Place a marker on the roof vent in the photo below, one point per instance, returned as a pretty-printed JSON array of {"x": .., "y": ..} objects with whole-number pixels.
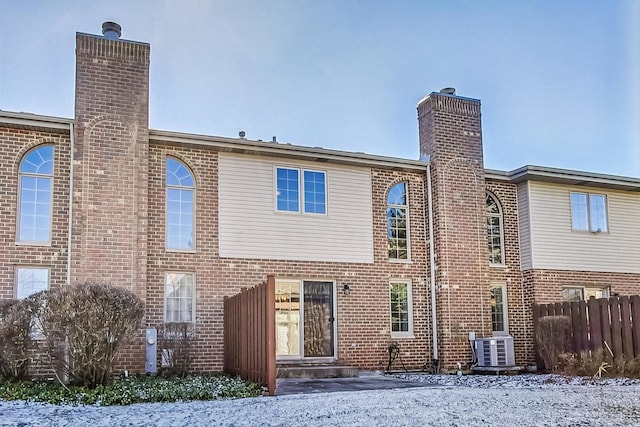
[
  {"x": 274, "y": 139},
  {"x": 242, "y": 134},
  {"x": 111, "y": 30},
  {"x": 448, "y": 91}
]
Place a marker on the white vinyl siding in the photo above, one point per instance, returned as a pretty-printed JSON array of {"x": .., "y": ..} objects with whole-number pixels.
[
  {"x": 555, "y": 246},
  {"x": 524, "y": 226},
  {"x": 251, "y": 227}
]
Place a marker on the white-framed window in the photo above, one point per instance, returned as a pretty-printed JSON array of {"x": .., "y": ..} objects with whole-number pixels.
[
  {"x": 401, "y": 309},
  {"x": 398, "y": 223},
  {"x": 36, "y": 195},
  {"x": 179, "y": 297},
  {"x": 31, "y": 280},
  {"x": 584, "y": 293},
  {"x": 495, "y": 231},
  {"x": 308, "y": 196},
  {"x": 589, "y": 212},
  {"x": 499, "y": 309},
  {"x": 180, "y": 206}
]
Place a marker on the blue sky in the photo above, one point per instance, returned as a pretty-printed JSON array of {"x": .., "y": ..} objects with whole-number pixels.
[{"x": 559, "y": 81}]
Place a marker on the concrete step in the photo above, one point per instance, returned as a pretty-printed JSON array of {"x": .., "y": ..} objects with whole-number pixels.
[{"x": 316, "y": 371}]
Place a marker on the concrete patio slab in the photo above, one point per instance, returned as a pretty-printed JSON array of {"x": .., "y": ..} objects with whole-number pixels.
[{"x": 365, "y": 381}]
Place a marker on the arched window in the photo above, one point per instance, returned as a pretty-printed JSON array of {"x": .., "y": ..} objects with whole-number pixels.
[
  {"x": 180, "y": 206},
  {"x": 36, "y": 195},
  {"x": 495, "y": 233},
  {"x": 397, "y": 222}
]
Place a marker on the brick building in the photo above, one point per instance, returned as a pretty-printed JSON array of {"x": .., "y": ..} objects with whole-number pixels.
[{"x": 366, "y": 250}]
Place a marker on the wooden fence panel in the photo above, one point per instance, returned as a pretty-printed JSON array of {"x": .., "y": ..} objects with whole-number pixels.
[
  {"x": 616, "y": 326},
  {"x": 614, "y": 321},
  {"x": 627, "y": 331},
  {"x": 249, "y": 334}
]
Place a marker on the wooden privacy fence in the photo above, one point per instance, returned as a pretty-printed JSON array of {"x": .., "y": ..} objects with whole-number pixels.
[
  {"x": 614, "y": 320},
  {"x": 250, "y": 334}
]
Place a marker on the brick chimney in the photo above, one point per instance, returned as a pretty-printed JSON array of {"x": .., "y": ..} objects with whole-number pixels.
[
  {"x": 109, "y": 236},
  {"x": 450, "y": 132}
]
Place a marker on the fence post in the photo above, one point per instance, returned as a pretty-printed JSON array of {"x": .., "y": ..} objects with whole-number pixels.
[
  {"x": 635, "y": 322},
  {"x": 616, "y": 327}
]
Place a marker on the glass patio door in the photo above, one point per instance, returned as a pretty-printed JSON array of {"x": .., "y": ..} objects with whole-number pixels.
[{"x": 304, "y": 319}]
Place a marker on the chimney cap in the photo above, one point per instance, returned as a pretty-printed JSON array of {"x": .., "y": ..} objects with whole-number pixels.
[
  {"x": 111, "y": 30},
  {"x": 448, "y": 91}
]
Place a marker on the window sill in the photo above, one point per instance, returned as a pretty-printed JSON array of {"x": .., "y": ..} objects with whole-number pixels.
[
  {"x": 403, "y": 335},
  {"x": 184, "y": 251},
  {"x": 498, "y": 265},
  {"x": 399, "y": 261},
  {"x": 43, "y": 244}
]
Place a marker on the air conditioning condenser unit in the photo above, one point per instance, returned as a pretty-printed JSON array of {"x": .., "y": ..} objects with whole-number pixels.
[{"x": 495, "y": 351}]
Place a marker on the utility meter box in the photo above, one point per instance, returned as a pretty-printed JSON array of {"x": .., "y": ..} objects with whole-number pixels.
[{"x": 151, "y": 365}]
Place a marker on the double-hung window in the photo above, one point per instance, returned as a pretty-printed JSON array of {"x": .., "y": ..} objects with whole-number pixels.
[
  {"x": 308, "y": 195},
  {"x": 397, "y": 223},
  {"x": 589, "y": 212},
  {"x": 36, "y": 194},
  {"x": 499, "y": 315},
  {"x": 180, "y": 206},
  {"x": 179, "y": 299},
  {"x": 401, "y": 309}
]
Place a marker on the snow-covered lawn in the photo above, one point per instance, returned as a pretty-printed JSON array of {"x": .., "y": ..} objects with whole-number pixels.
[{"x": 525, "y": 400}]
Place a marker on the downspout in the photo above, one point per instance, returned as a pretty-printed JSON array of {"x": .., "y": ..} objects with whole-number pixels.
[
  {"x": 432, "y": 264},
  {"x": 71, "y": 148}
]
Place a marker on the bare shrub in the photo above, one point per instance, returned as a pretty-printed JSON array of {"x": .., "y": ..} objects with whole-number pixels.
[
  {"x": 553, "y": 336},
  {"x": 599, "y": 363},
  {"x": 15, "y": 340},
  {"x": 85, "y": 327},
  {"x": 176, "y": 346}
]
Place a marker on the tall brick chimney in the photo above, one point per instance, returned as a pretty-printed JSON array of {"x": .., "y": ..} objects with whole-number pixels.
[
  {"x": 109, "y": 235},
  {"x": 450, "y": 132}
]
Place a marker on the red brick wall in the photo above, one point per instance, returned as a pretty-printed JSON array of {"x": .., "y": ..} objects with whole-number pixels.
[
  {"x": 518, "y": 310},
  {"x": 111, "y": 167},
  {"x": 450, "y": 133},
  {"x": 363, "y": 316}
]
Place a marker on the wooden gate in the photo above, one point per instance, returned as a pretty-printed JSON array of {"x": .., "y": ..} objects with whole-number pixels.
[{"x": 250, "y": 336}]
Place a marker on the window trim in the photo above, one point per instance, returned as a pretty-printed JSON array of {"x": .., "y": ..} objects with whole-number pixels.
[
  {"x": 166, "y": 207},
  {"x": 301, "y": 190},
  {"x": 194, "y": 298},
  {"x": 408, "y": 227},
  {"x": 402, "y": 334},
  {"x": 51, "y": 178},
  {"x": 505, "y": 309},
  {"x": 500, "y": 215},
  {"x": 589, "y": 229}
]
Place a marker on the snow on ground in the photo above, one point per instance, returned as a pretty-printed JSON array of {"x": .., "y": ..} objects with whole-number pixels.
[{"x": 526, "y": 400}]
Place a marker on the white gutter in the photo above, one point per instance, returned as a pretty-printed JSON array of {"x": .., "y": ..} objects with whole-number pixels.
[
  {"x": 71, "y": 148},
  {"x": 432, "y": 263}
]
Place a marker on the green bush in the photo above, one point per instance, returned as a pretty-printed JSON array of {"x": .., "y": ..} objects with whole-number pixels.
[
  {"x": 85, "y": 326},
  {"x": 15, "y": 339},
  {"x": 138, "y": 389}
]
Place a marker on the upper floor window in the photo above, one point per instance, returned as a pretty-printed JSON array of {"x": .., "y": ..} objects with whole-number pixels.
[
  {"x": 589, "y": 212},
  {"x": 495, "y": 232},
  {"x": 288, "y": 192},
  {"x": 180, "y": 206},
  {"x": 397, "y": 222},
  {"x": 36, "y": 194}
]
